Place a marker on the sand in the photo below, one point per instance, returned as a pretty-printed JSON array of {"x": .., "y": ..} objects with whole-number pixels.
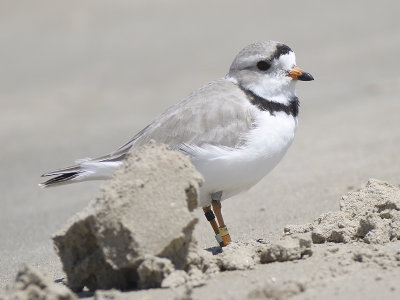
[
  {"x": 81, "y": 79},
  {"x": 105, "y": 247}
]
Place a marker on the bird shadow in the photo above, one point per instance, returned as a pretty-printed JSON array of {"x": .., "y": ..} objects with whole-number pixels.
[{"x": 215, "y": 250}]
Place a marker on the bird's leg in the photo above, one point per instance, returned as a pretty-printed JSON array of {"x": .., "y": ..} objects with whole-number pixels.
[
  {"x": 223, "y": 231},
  {"x": 211, "y": 218}
]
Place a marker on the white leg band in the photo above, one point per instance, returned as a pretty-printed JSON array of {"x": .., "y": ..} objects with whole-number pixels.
[{"x": 218, "y": 238}]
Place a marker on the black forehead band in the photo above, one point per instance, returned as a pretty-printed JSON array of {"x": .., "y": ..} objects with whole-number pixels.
[{"x": 281, "y": 49}]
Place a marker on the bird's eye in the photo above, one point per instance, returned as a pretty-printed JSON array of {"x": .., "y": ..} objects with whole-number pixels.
[{"x": 263, "y": 65}]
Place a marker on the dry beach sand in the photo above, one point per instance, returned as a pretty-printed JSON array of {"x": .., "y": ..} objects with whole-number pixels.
[
  {"x": 102, "y": 248},
  {"x": 80, "y": 79}
]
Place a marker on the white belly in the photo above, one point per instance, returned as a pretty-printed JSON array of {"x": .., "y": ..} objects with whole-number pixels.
[{"x": 235, "y": 170}]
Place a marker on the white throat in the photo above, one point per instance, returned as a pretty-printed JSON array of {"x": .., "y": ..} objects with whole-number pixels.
[{"x": 281, "y": 89}]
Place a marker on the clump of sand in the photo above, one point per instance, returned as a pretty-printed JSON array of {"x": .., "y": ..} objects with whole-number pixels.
[
  {"x": 31, "y": 284},
  {"x": 370, "y": 215},
  {"x": 139, "y": 229}
]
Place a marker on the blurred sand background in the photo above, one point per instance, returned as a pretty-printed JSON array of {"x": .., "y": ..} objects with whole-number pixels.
[{"x": 79, "y": 78}]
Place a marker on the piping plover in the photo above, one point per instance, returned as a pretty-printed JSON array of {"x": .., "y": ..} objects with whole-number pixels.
[{"x": 235, "y": 129}]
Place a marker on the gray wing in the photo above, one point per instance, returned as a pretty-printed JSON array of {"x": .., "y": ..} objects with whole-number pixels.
[{"x": 217, "y": 114}]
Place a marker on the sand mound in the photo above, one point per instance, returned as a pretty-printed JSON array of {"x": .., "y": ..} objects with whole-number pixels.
[
  {"x": 138, "y": 234},
  {"x": 370, "y": 215},
  {"x": 238, "y": 256},
  {"x": 31, "y": 284},
  {"x": 138, "y": 230}
]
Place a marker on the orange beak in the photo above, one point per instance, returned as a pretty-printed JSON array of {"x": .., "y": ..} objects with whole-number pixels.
[{"x": 299, "y": 74}]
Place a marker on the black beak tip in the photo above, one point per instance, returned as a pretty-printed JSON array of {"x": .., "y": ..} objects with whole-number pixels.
[{"x": 305, "y": 77}]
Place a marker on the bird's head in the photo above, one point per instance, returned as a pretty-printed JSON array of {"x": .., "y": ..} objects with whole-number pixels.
[{"x": 269, "y": 70}]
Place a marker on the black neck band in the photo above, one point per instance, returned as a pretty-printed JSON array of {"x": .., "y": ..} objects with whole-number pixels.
[{"x": 267, "y": 105}]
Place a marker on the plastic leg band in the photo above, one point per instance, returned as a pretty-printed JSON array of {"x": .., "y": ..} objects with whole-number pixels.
[
  {"x": 226, "y": 238},
  {"x": 219, "y": 239},
  {"x": 209, "y": 215}
]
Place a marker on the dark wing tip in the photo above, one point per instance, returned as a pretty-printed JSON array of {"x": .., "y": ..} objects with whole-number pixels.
[{"x": 59, "y": 179}]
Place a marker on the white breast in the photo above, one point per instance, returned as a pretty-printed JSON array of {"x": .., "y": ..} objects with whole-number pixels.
[{"x": 235, "y": 170}]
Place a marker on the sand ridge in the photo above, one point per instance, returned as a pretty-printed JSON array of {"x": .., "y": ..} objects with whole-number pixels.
[{"x": 362, "y": 236}]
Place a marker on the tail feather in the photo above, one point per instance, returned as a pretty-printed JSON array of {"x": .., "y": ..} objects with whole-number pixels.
[
  {"x": 59, "y": 179},
  {"x": 68, "y": 170},
  {"x": 88, "y": 169}
]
